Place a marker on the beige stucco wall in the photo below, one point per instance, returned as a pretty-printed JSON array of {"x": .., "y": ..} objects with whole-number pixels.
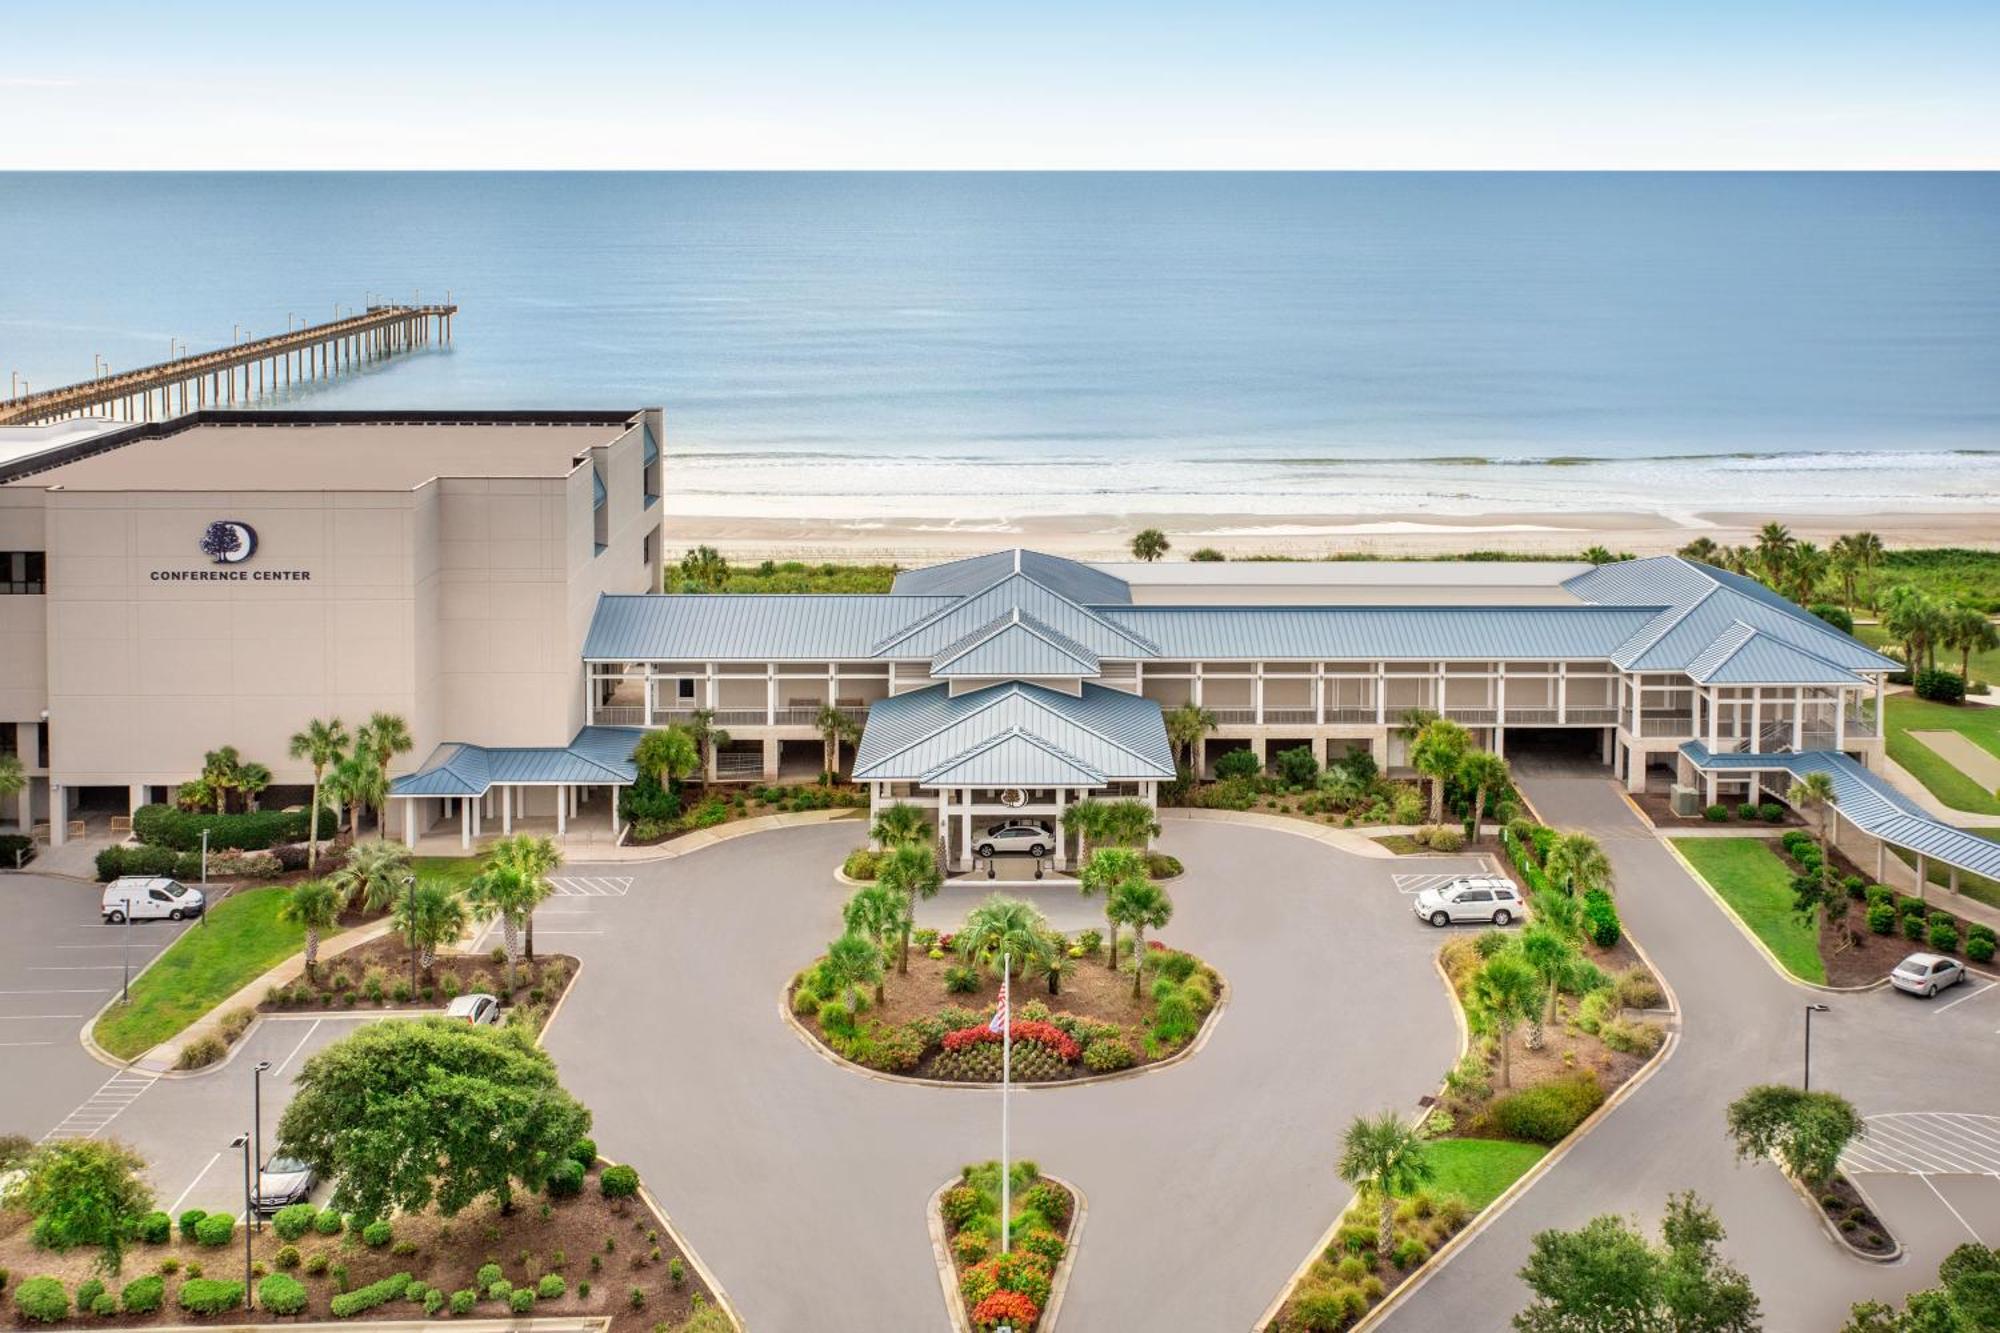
[{"x": 23, "y": 642}]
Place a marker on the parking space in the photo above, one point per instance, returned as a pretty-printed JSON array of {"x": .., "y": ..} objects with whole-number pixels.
[
  {"x": 58, "y": 965},
  {"x": 1933, "y": 1176}
]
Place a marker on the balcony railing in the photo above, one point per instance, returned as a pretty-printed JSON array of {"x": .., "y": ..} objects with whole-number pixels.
[
  {"x": 1289, "y": 715},
  {"x": 736, "y": 767},
  {"x": 1592, "y": 715},
  {"x": 621, "y": 715},
  {"x": 1472, "y": 714},
  {"x": 1532, "y": 717},
  {"x": 1234, "y": 716},
  {"x": 1356, "y": 714},
  {"x": 1666, "y": 724}
]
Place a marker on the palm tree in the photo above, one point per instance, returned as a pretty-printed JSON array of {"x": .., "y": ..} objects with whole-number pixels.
[
  {"x": 911, "y": 871},
  {"x": 375, "y": 874},
  {"x": 1967, "y": 629},
  {"x": 251, "y": 779},
  {"x": 1736, "y": 559},
  {"x": 385, "y": 736},
  {"x": 1000, "y": 928},
  {"x": 1129, "y": 823},
  {"x": 429, "y": 913},
  {"x": 1149, "y": 544},
  {"x": 1049, "y": 957},
  {"x": 1845, "y": 561},
  {"x": 1186, "y": 725},
  {"x": 1507, "y": 991},
  {"x": 1142, "y": 905},
  {"x": 705, "y": 568},
  {"x": 1815, "y": 792},
  {"x": 1436, "y": 753},
  {"x": 357, "y": 782},
  {"x": 1544, "y": 949},
  {"x": 878, "y": 913},
  {"x": 193, "y": 796},
  {"x": 1413, "y": 721},
  {"x": 1774, "y": 551},
  {"x": 1703, "y": 549},
  {"x": 707, "y": 737},
  {"x": 536, "y": 859},
  {"x": 1560, "y": 912},
  {"x": 1103, "y": 871},
  {"x": 315, "y": 905},
  {"x": 1390, "y": 1157},
  {"x": 502, "y": 891},
  {"x": 1803, "y": 572},
  {"x": 668, "y": 754},
  {"x": 835, "y": 727},
  {"x": 321, "y": 744},
  {"x": 900, "y": 823},
  {"x": 1598, "y": 555},
  {"x": 852, "y": 962},
  {"x": 1485, "y": 772},
  {"x": 219, "y": 769},
  {"x": 1915, "y": 620},
  {"x": 1086, "y": 820},
  {"x": 1868, "y": 550},
  {"x": 1577, "y": 863}
]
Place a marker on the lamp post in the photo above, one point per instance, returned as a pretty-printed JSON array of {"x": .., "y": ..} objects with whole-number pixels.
[
  {"x": 257, "y": 1072},
  {"x": 410, "y": 901},
  {"x": 242, "y": 1144},
  {"x": 204, "y": 879},
  {"x": 125, "y": 937},
  {"x": 1805, "y": 1084}
]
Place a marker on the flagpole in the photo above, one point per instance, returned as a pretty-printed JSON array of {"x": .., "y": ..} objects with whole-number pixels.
[{"x": 1006, "y": 1077}]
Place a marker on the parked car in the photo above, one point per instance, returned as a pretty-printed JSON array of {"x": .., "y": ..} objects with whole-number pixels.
[
  {"x": 1470, "y": 898},
  {"x": 150, "y": 898},
  {"x": 1926, "y": 974},
  {"x": 477, "y": 1008},
  {"x": 283, "y": 1181},
  {"x": 1016, "y": 837}
]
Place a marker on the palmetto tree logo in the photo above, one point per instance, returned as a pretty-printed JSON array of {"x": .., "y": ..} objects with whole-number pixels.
[{"x": 228, "y": 542}]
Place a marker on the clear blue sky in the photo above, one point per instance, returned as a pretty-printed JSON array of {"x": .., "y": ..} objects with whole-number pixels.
[{"x": 753, "y": 83}]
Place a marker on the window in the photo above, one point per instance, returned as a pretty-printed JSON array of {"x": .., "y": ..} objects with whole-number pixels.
[
  {"x": 23, "y": 572},
  {"x": 651, "y": 467},
  {"x": 686, "y": 688},
  {"x": 600, "y": 519},
  {"x": 646, "y": 550}
]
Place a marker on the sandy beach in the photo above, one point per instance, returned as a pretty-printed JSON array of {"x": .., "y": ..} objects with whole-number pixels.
[{"x": 907, "y": 540}]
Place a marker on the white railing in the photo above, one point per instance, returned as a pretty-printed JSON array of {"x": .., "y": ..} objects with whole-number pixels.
[
  {"x": 621, "y": 715},
  {"x": 1681, "y": 724},
  {"x": 1594, "y": 715},
  {"x": 1288, "y": 715},
  {"x": 1366, "y": 714},
  {"x": 1472, "y": 714}
]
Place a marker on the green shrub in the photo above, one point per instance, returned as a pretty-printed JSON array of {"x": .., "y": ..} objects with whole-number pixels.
[
  {"x": 210, "y": 1295},
  {"x": 327, "y": 1223},
  {"x": 15, "y": 850},
  {"x": 87, "y": 1292},
  {"x": 215, "y": 1230},
  {"x": 1914, "y": 926},
  {"x": 1716, "y": 814},
  {"x": 433, "y": 1301},
  {"x": 1296, "y": 767},
  {"x": 1943, "y": 937},
  {"x": 522, "y": 1299},
  {"x": 102, "y": 1304},
  {"x": 1771, "y": 812},
  {"x": 363, "y": 1299},
  {"x": 189, "y": 1220},
  {"x": 293, "y": 1220},
  {"x": 377, "y": 1234},
  {"x": 156, "y": 1228},
  {"x": 1447, "y": 840},
  {"x": 42, "y": 1300},
  {"x": 287, "y": 1257},
  {"x": 316, "y": 1263},
  {"x": 584, "y": 1152},
  {"x": 1547, "y": 1112},
  {"x": 487, "y": 1275},
  {"x": 566, "y": 1179},
  {"x": 552, "y": 1287},
  {"x": 1940, "y": 686},
  {"x": 502, "y": 1290},
  {"x": 960, "y": 979},
  {"x": 1324, "y": 1309},
  {"x": 618, "y": 1182},
  {"x": 1600, "y": 918},
  {"x": 1979, "y": 948},
  {"x": 1238, "y": 764},
  {"x": 281, "y": 1293},
  {"x": 463, "y": 1300},
  {"x": 861, "y": 864},
  {"x": 1107, "y": 1055},
  {"x": 1881, "y": 918},
  {"x": 143, "y": 1295}
]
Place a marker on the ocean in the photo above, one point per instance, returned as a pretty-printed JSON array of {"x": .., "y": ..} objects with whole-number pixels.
[{"x": 979, "y": 345}]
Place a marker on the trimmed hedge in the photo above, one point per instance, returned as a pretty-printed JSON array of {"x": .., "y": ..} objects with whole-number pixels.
[
  {"x": 189, "y": 1220},
  {"x": 552, "y": 1287},
  {"x": 215, "y": 1230},
  {"x": 281, "y": 1293},
  {"x": 1600, "y": 917},
  {"x": 143, "y": 1295},
  {"x": 1547, "y": 1112},
  {"x": 156, "y": 1228},
  {"x": 115, "y": 861},
  {"x": 1940, "y": 686},
  {"x": 618, "y": 1182},
  {"x": 42, "y": 1300},
  {"x": 164, "y": 826},
  {"x": 566, "y": 1179},
  {"x": 293, "y": 1220},
  {"x": 363, "y": 1299},
  {"x": 210, "y": 1295},
  {"x": 377, "y": 1234}
]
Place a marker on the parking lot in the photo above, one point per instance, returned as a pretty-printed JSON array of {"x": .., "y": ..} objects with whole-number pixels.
[{"x": 1933, "y": 1176}]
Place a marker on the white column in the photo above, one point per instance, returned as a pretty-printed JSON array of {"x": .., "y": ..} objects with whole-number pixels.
[
  {"x": 1756, "y": 719},
  {"x": 1881, "y": 721},
  {"x": 1062, "y": 843},
  {"x": 1881, "y": 859},
  {"x": 507, "y": 810},
  {"x": 1319, "y": 694},
  {"x": 1562, "y": 692},
  {"x": 1257, "y": 693},
  {"x": 1499, "y": 713},
  {"x": 135, "y": 798},
  {"x": 771, "y": 695},
  {"x": 1799, "y": 717},
  {"x": 944, "y": 824},
  {"x": 1382, "y": 700},
  {"x": 562, "y": 811},
  {"x": 1840, "y": 719},
  {"x": 58, "y": 814},
  {"x": 613, "y": 793},
  {"x": 965, "y": 831},
  {"x": 1714, "y": 730},
  {"x": 410, "y": 821},
  {"x": 465, "y": 825}
]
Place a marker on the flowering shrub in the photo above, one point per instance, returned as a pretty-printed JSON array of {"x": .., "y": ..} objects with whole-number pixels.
[
  {"x": 1006, "y": 1307},
  {"x": 1047, "y": 1034}
]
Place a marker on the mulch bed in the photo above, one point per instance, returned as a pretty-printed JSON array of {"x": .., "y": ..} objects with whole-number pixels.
[
  {"x": 1853, "y": 1218},
  {"x": 1658, "y": 808},
  {"x": 970, "y": 1250},
  {"x": 736, "y": 803},
  {"x": 1854, "y": 955},
  {"x": 349, "y": 980},
  {"x": 617, "y": 1246}
]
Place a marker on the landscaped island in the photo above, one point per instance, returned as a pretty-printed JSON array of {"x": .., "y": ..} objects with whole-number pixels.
[{"x": 1012, "y": 1289}]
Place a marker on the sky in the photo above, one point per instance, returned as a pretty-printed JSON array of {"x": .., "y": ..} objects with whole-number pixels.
[{"x": 757, "y": 84}]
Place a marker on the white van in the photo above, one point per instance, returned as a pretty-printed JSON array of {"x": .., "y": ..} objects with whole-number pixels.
[{"x": 150, "y": 898}]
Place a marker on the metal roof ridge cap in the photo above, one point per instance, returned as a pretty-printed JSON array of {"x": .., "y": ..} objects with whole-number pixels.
[
  {"x": 998, "y": 691},
  {"x": 1680, "y": 613},
  {"x": 1078, "y": 723}
]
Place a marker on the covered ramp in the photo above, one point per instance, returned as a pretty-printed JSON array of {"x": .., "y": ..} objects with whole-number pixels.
[{"x": 479, "y": 783}]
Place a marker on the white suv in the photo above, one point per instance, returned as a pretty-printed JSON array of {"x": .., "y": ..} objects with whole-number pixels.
[
  {"x": 1017, "y": 837},
  {"x": 1479, "y": 898}
]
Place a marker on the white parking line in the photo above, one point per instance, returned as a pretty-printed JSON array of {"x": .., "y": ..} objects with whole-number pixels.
[
  {"x": 102, "y": 1107},
  {"x": 591, "y": 886},
  {"x": 1953, "y": 1211},
  {"x": 26, "y": 1043},
  {"x": 1921, "y": 1143},
  {"x": 175, "y": 1211},
  {"x": 93, "y": 990},
  {"x": 1963, "y": 998},
  {"x": 296, "y": 1049},
  {"x": 1410, "y": 883}
]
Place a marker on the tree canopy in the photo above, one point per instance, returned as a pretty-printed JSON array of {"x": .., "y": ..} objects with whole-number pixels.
[
  {"x": 1605, "y": 1277},
  {"x": 403, "y": 1115},
  {"x": 1805, "y": 1131},
  {"x": 82, "y": 1192}
]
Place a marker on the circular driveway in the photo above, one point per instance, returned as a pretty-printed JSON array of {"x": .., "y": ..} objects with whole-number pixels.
[{"x": 802, "y": 1185}]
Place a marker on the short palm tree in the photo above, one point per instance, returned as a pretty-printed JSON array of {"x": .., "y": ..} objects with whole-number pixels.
[
  {"x": 1437, "y": 752},
  {"x": 705, "y": 568},
  {"x": 1598, "y": 555},
  {"x": 1969, "y": 630},
  {"x": 373, "y": 876},
  {"x": 878, "y": 914},
  {"x": 1560, "y": 912},
  {"x": 852, "y": 962},
  {"x": 502, "y": 891},
  {"x": 1485, "y": 772},
  {"x": 1703, "y": 549},
  {"x": 1000, "y": 929},
  {"x": 385, "y": 736},
  {"x": 1129, "y": 823},
  {"x": 901, "y": 823},
  {"x": 428, "y": 914},
  {"x": 707, "y": 738},
  {"x": 1815, "y": 793},
  {"x": 1086, "y": 821},
  {"x": 1149, "y": 544},
  {"x": 1413, "y": 721},
  {"x": 668, "y": 754},
  {"x": 1390, "y": 1157},
  {"x": 1142, "y": 905},
  {"x": 321, "y": 744},
  {"x": 1104, "y": 870},
  {"x": 1577, "y": 862},
  {"x": 1186, "y": 725},
  {"x": 1049, "y": 957},
  {"x": 1507, "y": 992},
  {"x": 315, "y": 905},
  {"x": 251, "y": 779},
  {"x": 536, "y": 858},
  {"x": 1544, "y": 949},
  {"x": 219, "y": 769},
  {"x": 357, "y": 782},
  {"x": 911, "y": 872},
  {"x": 835, "y": 728}
]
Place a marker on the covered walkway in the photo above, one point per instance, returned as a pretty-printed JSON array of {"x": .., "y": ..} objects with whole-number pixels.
[{"x": 487, "y": 789}]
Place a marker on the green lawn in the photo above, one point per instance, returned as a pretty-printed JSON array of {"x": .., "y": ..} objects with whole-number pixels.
[
  {"x": 1985, "y": 666},
  {"x": 242, "y": 939},
  {"x": 456, "y": 871},
  {"x": 1480, "y": 1170},
  {"x": 1977, "y": 724},
  {"x": 1753, "y": 881}
]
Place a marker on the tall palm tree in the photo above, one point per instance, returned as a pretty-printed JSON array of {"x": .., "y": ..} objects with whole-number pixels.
[
  {"x": 1868, "y": 550},
  {"x": 1544, "y": 949},
  {"x": 1149, "y": 544},
  {"x": 1804, "y": 570},
  {"x": 1436, "y": 753},
  {"x": 1142, "y": 905},
  {"x": 321, "y": 743},
  {"x": 1576, "y": 862},
  {"x": 1507, "y": 992},
  {"x": 429, "y": 913},
  {"x": 878, "y": 914},
  {"x": 219, "y": 769},
  {"x": 707, "y": 737},
  {"x": 1103, "y": 871},
  {"x": 1815, "y": 792},
  {"x": 1086, "y": 821},
  {"x": 852, "y": 962},
  {"x": 1915, "y": 620},
  {"x": 1967, "y": 629},
  {"x": 900, "y": 823},
  {"x": 315, "y": 905},
  {"x": 835, "y": 727},
  {"x": 1390, "y": 1157},
  {"x": 705, "y": 568},
  {"x": 385, "y": 736},
  {"x": 504, "y": 892},
  {"x": 1774, "y": 551},
  {"x": 1129, "y": 823},
  {"x": 911, "y": 871},
  {"x": 1559, "y": 912},
  {"x": 1485, "y": 772},
  {"x": 1000, "y": 928},
  {"x": 1845, "y": 561},
  {"x": 357, "y": 782},
  {"x": 1703, "y": 549},
  {"x": 375, "y": 875},
  {"x": 1186, "y": 725},
  {"x": 251, "y": 779},
  {"x": 668, "y": 754},
  {"x": 536, "y": 858}
]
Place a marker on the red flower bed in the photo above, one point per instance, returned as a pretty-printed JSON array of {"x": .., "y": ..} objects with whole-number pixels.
[
  {"x": 1006, "y": 1307},
  {"x": 1047, "y": 1034}
]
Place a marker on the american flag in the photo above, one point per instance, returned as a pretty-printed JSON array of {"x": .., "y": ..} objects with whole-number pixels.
[{"x": 999, "y": 1021}]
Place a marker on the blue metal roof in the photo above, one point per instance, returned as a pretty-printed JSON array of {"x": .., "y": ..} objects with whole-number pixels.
[
  {"x": 1067, "y": 578},
  {"x": 1015, "y": 645},
  {"x": 597, "y": 756},
  {"x": 1742, "y": 655},
  {"x": 1867, "y": 802},
  {"x": 1422, "y": 633},
  {"x": 1103, "y": 731},
  {"x": 658, "y": 627},
  {"x": 1089, "y": 627}
]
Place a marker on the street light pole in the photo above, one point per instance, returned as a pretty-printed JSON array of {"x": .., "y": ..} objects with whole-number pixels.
[
  {"x": 125, "y": 935},
  {"x": 257, "y": 1131},
  {"x": 204, "y": 878},
  {"x": 1805, "y": 1084},
  {"x": 242, "y": 1143},
  {"x": 410, "y": 898}
]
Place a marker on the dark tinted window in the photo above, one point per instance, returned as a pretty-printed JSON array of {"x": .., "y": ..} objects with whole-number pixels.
[{"x": 23, "y": 572}]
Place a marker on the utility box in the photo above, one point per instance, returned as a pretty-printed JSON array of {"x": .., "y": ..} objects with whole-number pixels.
[{"x": 1686, "y": 801}]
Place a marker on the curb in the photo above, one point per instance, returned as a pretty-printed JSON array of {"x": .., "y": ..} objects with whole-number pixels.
[
  {"x": 839, "y": 1061},
  {"x": 680, "y": 1242},
  {"x": 1834, "y": 1232},
  {"x": 741, "y": 828},
  {"x": 1341, "y": 839},
  {"x": 954, "y": 1304}
]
